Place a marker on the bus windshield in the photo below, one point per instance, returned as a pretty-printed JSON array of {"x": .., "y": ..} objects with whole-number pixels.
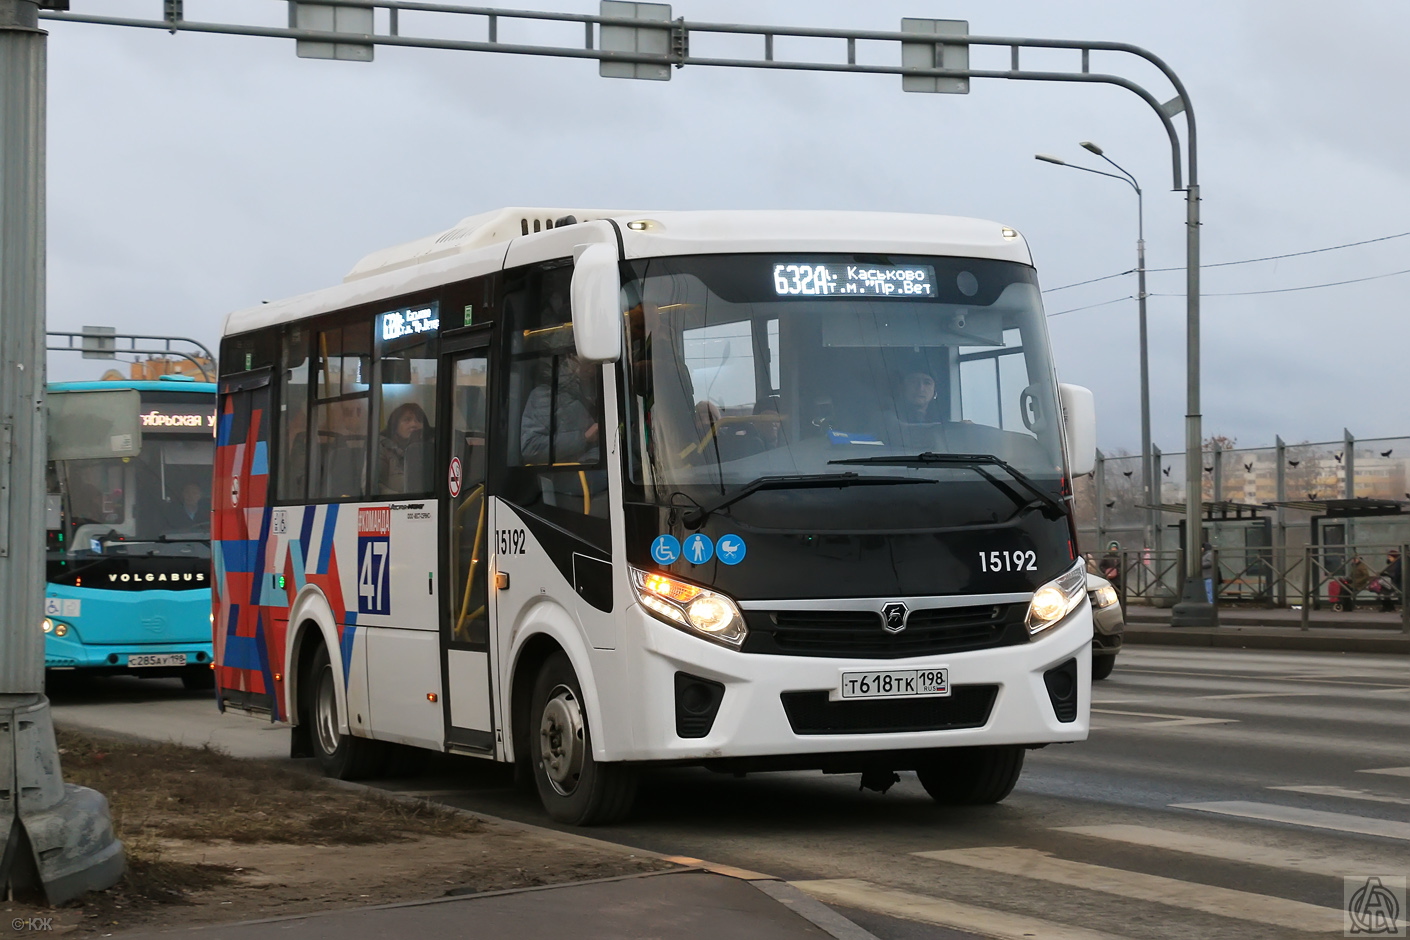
[
  {"x": 159, "y": 498},
  {"x": 742, "y": 367}
]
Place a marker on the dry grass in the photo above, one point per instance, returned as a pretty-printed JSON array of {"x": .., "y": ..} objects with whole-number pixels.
[{"x": 166, "y": 791}]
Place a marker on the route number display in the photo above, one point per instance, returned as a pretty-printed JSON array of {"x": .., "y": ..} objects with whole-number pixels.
[{"x": 805, "y": 279}]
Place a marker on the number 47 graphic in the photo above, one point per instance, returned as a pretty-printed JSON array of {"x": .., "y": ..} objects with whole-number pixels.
[{"x": 373, "y": 576}]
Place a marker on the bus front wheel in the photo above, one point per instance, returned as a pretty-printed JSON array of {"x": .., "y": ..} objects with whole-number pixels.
[
  {"x": 342, "y": 756},
  {"x": 572, "y": 786},
  {"x": 972, "y": 775}
]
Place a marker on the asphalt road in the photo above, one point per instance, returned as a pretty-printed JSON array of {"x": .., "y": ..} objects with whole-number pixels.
[{"x": 1222, "y": 794}]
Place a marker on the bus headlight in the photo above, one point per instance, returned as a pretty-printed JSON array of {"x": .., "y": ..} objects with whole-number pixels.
[
  {"x": 48, "y": 625},
  {"x": 690, "y": 607},
  {"x": 1056, "y": 599},
  {"x": 58, "y": 629}
]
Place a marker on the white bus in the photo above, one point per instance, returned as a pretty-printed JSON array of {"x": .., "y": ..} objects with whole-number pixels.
[{"x": 589, "y": 491}]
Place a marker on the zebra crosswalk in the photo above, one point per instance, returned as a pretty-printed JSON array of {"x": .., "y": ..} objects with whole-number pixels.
[
  {"x": 1186, "y": 866},
  {"x": 1285, "y": 916}
]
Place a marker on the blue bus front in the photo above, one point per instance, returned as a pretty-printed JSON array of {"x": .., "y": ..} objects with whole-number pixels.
[{"x": 128, "y": 576}]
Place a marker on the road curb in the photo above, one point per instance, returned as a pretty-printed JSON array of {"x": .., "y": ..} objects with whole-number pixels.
[
  {"x": 1265, "y": 638},
  {"x": 809, "y": 908}
]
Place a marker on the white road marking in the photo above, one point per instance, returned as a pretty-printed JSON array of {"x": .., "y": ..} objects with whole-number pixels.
[
  {"x": 1170, "y": 721},
  {"x": 1139, "y": 886},
  {"x": 1316, "y": 819},
  {"x": 1233, "y": 695},
  {"x": 893, "y": 902},
  {"x": 1391, "y": 771},
  {"x": 1229, "y": 850},
  {"x": 1346, "y": 793}
]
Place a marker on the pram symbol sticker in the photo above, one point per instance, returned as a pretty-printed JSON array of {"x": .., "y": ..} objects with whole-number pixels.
[{"x": 730, "y": 548}]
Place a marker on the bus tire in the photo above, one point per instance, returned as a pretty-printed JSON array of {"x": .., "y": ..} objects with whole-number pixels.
[
  {"x": 1102, "y": 666},
  {"x": 342, "y": 756},
  {"x": 972, "y": 775},
  {"x": 572, "y": 787},
  {"x": 198, "y": 678}
]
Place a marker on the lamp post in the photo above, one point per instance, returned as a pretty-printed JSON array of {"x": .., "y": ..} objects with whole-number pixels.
[{"x": 1147, "y": 480}]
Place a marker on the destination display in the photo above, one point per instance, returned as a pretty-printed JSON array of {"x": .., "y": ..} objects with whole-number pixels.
[
  {"x": 806, "y": 279},
  {"x": 409, "y": 321}
]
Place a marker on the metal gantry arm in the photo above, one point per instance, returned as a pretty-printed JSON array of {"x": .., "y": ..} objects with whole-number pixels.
[
  {"x": 75, "y": 344},
  {"x": 679, "y": 55}
]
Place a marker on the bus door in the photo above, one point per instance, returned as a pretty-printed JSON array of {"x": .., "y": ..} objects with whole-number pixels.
[{"x": 465, "y": 610}]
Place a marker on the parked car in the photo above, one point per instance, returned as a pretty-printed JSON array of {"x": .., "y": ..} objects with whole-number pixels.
[{"x": 1108, "y": 622}]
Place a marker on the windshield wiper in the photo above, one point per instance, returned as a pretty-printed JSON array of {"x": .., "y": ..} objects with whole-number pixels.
[
  {"x": 973, "y": 462},
  {"x": 694, "y": 517}
]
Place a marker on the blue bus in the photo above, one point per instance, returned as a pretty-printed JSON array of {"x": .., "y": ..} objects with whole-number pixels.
[{"x": 128, "y": 546}]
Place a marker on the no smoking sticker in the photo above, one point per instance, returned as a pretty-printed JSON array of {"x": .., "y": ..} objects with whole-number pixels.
[{"x": 456, "y": 475}]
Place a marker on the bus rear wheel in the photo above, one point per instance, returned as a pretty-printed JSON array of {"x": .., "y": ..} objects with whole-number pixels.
[
  {"x": 573, "y": 787},
  {"x": 342, "y": 756},
  {"x": 972, "y": 775}
]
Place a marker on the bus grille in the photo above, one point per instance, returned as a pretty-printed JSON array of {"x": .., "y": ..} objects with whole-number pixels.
[
  {"x": 859, "y": 633},
  {"x": 967, "y": 706}
]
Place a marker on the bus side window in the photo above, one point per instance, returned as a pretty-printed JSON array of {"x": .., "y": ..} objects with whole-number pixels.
[
  {"x": 293, "y": 416},
  {"x": 338, "y": 457},
  {"x": 406, "y": 395}
]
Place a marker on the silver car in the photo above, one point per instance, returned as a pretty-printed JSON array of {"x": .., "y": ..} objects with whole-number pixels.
[{"x": 1108, "y": 621}]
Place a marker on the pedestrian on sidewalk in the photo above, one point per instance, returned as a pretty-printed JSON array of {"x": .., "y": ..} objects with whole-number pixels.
[
  {"x": 1390, "y": 585},
  {"x": 1206, "y": 570}
]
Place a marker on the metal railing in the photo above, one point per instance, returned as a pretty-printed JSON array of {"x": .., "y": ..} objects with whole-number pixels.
[{"x": 1312, "y": 578}]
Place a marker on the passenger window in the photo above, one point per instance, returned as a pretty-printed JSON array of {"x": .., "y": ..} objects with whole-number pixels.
[
  {"x": 554, "y": 401},
  {"x": 338, "y": 456},
  {"x": 406, "y": 396},
  {"x": 292, "y": 480}
]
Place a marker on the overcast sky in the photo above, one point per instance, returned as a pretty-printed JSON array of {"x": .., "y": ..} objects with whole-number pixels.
[{"x": 192, "y": 175}]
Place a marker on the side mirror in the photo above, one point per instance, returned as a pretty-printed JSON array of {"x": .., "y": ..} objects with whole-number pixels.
[
  {"x": 597, "y": 314},
  {"x": 1079, "y": 419}
]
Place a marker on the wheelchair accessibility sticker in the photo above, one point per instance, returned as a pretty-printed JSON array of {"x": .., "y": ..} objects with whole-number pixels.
[{"x": 665, "y": 549}]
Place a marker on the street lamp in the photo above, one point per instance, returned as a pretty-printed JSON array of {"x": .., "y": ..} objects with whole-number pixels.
[{"x": 1147, "y": 478}]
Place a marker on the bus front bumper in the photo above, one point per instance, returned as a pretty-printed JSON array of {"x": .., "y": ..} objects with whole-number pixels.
[{"x": 999, "y": 696}]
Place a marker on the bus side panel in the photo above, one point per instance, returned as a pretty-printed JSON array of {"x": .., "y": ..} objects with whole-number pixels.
[{"x": 247, "y": 654}]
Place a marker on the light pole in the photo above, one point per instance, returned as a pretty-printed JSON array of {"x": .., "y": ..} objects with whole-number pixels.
[{"x": 1147, "y": 480}]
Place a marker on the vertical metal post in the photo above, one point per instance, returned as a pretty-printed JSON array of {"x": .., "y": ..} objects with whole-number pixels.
[
  {"x": 1404, "y": 582},
  {"x": 55, "y": 842},
  {"x": 1307, "y": 587},
  {"x": 1280, "y": 534},
  {"x": 1194, "y": 609},
  {"x": 1348, "y": 462},
  {"x": 1218, "y": 476},
  {"x": 1099, "y": 487}
]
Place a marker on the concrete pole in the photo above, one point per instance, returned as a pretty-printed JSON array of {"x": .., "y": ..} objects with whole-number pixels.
[
  {"x": 56, "y": 841},
  {"x": 1194, "y": 609}
]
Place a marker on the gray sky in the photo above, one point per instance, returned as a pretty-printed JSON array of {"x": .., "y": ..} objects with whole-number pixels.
[{"x": 192, "y": 175}]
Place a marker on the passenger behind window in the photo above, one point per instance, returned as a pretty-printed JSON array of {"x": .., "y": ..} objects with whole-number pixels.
[
  {"x": 401, "y": 463},
  {"x": 558, "y": 423}
]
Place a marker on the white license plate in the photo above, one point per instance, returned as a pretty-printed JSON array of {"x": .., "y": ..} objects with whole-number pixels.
[
  {"x": 156, "y": 659},
  {"x": 895, "y": 683}
]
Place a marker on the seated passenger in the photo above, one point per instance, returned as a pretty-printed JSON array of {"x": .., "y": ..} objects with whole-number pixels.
[
  {"x": 915, "y": 399},
  {"x": 191, "y": 513},
  {"x": 562, "y": 429},
  {"x": 406, "y": 427}
]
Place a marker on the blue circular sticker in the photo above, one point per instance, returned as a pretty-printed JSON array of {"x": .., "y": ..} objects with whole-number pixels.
[
  {"x": 730, "y": 548},
  {"x": 699, "y": 549},
  {"x": 665, "y": 549}
]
